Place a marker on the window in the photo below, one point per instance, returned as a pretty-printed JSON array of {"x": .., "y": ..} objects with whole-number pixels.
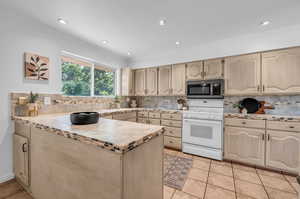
[
  {"x": 80, "y": 78},
  {"x": 104, "y": 81}
]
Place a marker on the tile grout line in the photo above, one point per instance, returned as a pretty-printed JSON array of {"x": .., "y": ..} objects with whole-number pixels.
[
  {"x": 284, "y": 176},
  {"x": 204, "y": 195},
  {"x": 262, "y": 183},
  {"x": 233, "y": 181}
]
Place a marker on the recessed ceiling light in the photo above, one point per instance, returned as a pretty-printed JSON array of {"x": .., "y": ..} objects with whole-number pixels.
[
  {"x": 162, "y": 22},
  {"x": 177, "y": 43},
  {"x": 62, "y": 21},
  {"x": 265, "y": 23},
  {"x": 128, "y": 53},
  {"x": 104, "y": 41}
]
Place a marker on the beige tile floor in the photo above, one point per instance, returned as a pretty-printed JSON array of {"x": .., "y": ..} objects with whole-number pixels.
[{"x": 211, "y": 179}]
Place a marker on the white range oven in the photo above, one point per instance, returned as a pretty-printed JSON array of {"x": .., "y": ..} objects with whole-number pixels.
[{"x": 203, "y": 128}]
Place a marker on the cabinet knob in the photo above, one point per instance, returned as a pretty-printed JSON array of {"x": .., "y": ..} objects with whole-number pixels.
[
  {"x": 291, "y": 127},
  {"x": 243, "y": 122}
]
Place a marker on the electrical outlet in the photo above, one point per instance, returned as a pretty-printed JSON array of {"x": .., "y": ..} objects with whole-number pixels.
[{"x": 47, "y": 100}]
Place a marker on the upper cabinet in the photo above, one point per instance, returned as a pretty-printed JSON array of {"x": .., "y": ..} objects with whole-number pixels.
[
  {"x": 213, "y": 69},
  {"x": 127, "y": 82},
  {"x": 242, "y": 75},
  {"x": 194, "y": 70},
  {"x": 164, "y": 80},
  {"x": 140, "y": 82},
  {"x": 151, "y": 81},
  {"x": 178, "y": 79},
  {"x": 209, "y": 69},
  {"x": 280, "y": 71}
]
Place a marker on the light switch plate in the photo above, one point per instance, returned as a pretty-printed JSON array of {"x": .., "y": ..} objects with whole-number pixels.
[{"x": 47, "y": 100}]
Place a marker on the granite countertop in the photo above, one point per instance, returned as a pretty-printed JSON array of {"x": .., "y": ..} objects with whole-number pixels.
[
  {"x": 114, "y": 135},
  {"x": 286, "y": 118}
]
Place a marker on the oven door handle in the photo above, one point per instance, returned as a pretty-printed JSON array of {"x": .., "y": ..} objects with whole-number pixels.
[{"x": 192, "y": 120}]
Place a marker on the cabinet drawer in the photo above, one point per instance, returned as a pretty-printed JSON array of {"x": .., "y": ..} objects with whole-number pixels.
[
  {"x": 142, "y": 120},
  {"x": 245, "y": 123},
  {"x": 285, "y": 126},
  {"x": 154, "y": 121},
  {"x": 171, "y": 116},
  {"x": 143, "y": 114},
  {"x": 171, "y": 123},
  {"x": 172, "y": 131},
  {"x": 108, "y": 117},
  {"x": 154, "y": 115},
  {"x": 130, "y": 115},
  {"x": 132, "y": 120},
  {"x": 22, "y": 129},
  {"x": 172, "y": 142}
]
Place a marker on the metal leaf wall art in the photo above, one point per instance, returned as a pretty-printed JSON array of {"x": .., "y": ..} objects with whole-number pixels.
[{"x": 36, "y": 67}]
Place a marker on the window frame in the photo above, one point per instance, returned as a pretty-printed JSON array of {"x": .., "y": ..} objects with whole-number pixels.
[{"x": 92, "y": 83}]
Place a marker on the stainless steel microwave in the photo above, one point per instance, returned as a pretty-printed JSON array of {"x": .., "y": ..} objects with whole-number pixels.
[{"x": 205, "y": 89}]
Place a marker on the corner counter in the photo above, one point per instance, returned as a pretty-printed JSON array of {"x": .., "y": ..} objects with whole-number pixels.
[{"x": 108, "y": 160}]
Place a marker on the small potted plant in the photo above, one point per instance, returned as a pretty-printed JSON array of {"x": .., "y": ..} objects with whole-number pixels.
[
  {"x": 180, "y": 103},
  {"x": 32, "y": 105}
]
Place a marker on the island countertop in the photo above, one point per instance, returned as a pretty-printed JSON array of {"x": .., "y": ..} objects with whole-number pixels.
[{"x": 114, "y": 135}]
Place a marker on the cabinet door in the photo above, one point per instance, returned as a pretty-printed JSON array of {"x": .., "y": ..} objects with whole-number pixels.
[
  {"x": 242, "y": 75},
  {"x": 283, "y": 150},
  {"x": 21, "y": 161},
  {"x": 140, "y": 81},
  {"x": 194, "y": 71},
  {"x": 213, "y": 69},
  {"x": 245, "y": 145},
  {"x": 164, "y": 80},
  {"x": 151, "y": 84},
  {"x": 127, "y": 82},
  {"x": 280, "y": 71},
  {"x": 178, "y": 79}
]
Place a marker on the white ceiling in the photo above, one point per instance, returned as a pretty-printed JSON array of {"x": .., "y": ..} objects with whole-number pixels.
[{"x": 133, "y": 25}]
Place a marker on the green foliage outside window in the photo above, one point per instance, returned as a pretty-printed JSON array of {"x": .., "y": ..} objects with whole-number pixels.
[
  {"x": 76, "y": 79},
  {"x": 104, "y": 83}
]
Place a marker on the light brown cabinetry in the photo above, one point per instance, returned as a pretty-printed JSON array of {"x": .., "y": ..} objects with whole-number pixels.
[
  {"x": 213, "y": 69},
  {"x": 21, "y": 152},
  {"x": 178, "y": 79},
  {"x": 140, "y": 82},
  {"x": 242, "y": 75},
  {"x": 245, "y": 145},
  {"x": 283, "y": 146},
  {"x": 151, "y": 81},
  {"x": 274, "y": 145},
  {"x": 21, "y": 159},
  {"x": 194, "y": 70},
  {"x": 127, "y": 84},
  {"x": 283, "y": 150},
  {"x": 165, "y": 80},
  {"x": 280, "y": 71}
]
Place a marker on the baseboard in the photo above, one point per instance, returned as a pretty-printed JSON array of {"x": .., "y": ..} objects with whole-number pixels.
[{"x": 6, "y": 177}]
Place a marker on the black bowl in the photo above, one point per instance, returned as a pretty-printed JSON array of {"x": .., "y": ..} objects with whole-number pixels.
[{"x": 83, "y": 118}]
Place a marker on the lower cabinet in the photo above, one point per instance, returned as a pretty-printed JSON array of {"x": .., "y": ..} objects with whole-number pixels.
[
  {"x": 21, "y": 159},
  {"x": 245, "y": 145},
  {"x": 172, "y": 142},
  {"x": 283, "y": 150}
]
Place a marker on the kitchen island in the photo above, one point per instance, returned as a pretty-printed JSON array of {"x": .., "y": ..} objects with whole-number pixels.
[{"x": 108, "y": 160}]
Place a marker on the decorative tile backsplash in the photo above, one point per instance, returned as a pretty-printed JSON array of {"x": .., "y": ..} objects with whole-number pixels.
[
  {"x": 62, "y": 104},
  {"x": 284, "y": 105},
  {"x": 165, "y": 102}
]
